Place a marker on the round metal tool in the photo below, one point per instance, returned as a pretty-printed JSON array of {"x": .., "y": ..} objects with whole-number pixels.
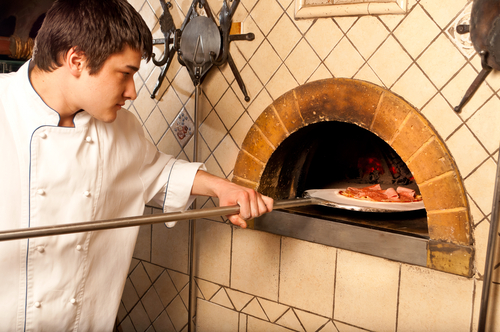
[{"x": 200, "y": 46}]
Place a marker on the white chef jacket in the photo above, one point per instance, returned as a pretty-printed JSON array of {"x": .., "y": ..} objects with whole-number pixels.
[{"x": 56, "y": 175}]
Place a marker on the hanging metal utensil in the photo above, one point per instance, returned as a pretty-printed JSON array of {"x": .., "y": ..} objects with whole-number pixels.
[{"x": 485, "y": 36}]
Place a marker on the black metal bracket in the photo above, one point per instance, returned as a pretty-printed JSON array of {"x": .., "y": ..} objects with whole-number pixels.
[{"x": 172, "y": 41}]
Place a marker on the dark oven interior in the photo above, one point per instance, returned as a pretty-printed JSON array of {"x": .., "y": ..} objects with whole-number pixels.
[{"x": 336, "y": 155}]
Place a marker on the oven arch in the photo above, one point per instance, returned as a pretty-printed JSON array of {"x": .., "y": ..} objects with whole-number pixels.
[{"x": 396, "y": 122}]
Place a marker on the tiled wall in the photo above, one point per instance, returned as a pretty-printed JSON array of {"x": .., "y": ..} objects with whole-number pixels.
[{"x": 254, "y": 281}]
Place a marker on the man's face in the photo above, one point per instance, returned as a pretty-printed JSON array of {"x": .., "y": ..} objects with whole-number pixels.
[{"x": 103, "y": 94}]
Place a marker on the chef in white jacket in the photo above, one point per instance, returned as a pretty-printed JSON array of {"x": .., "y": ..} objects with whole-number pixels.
[{"x": 70, "y": 153}]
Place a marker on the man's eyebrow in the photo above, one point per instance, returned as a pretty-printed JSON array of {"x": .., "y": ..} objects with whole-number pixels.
[{"x": 134, "y": 68}]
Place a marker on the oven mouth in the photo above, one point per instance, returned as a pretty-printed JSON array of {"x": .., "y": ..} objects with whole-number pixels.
[{"x": 441, "y": 233}]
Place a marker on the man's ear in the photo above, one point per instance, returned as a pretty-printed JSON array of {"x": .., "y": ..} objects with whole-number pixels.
[{"x": 75, "y": 61}]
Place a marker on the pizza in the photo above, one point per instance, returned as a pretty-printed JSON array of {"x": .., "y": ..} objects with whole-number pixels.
[{"x": 375, "y": 193}]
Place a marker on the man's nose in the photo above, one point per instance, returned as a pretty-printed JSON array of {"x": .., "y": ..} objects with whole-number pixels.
[{"x": 130, "y": 92}]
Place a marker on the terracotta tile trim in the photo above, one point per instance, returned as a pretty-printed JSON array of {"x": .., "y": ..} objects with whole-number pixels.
[
  {"x": 253, "y": 157},
  {"x": 381, "y": 99},
  {"x": 281, "y": 121},
  {"x": 398, "y": 131}
]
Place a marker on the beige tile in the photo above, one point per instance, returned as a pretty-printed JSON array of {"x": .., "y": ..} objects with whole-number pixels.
[
  {"x": 174, "y": 69},
  {"x": 249, "y": 4},
  {"x": 165, "y": 288},
  {"x": 212, "y": 130},
  {"x": 226, "y": 154},
  {"x": 140, "y": 280},
  {"x": 466, "y": 150},
  {"x": 443, "y": 12},
  {"x": 183, "y": 85},
  {"x": 281, "y": 82},
  {"x": 142, "y": 248},
  {"x": 180, "y": 280},
  {"x": 207, "y": 288},
  {"x": 152, "y": 304},
  {"x": 148, "y": 15},
  {"x": 266, "y": 14},
  {"x": 168, "y": 144},
  {"x": 214, "y": 86},
  {"x": 273, "y": 310},
  {"x": 484, "y": 124},
  {"x": 344, "y": 60},
  {"x": 156, "y": 125},
  {"x": 258, "y": 325},
  {"x": 481, "y": 234},
  {"x": 307, "y": 276},
  {"x": 248, "y": 49},
  {"x": 213, "y": 167},
  {"x": 253, "y": 308},
  {"x": 389, "y": 61},
  {"x": 139, "y": 317},
  {"x": 440, "y": 69},
  {"x": 302, "y": 62},
  {"x": 493, "y": 80},
  {"x": 163, "y": 323},
  {"x": 213, "y": 249},
  {"x": 477, "y": 215},
  {"x": 252, "y": 85},
  {"x": 392, "y": 21},
  {"x": 290, "y": 320},
  {"x": 241, "y": 14},
  {"x": 321, "y": 73},
  {"x": 303, "y": 25},
  {"x": 366, "y": 291},
  {"x": 286, "y": 3},
  {"x": 129, "y": 296},
  {"x": 240, "y": 129},
  {"x": 316, "y": 36},
  {"x": 367, "y": 74},
  {"x": 212, "y": 317},
  {"x": 341, "y": 327},
  {"x": 367, "y": 43},
  {"x": 480, "y": 186},
  {"x": 416, "y": 32},
  {"x": 309, "y": 321},
  {"x": 284, "y": 36},
  {"x": 434, "y": 301},
  {"x": 229, "y": 108},
  {"x": 144, "y": 104},
  {"x": 265, "y": 62},
  {"x": 238, "y": 299},
  {"x": 178, "y": 313},
  {"x": 442, "y": 116},
  {"x": 255, "y": 263},
  {"x": 259, "y": 104},
  {"x": 222, "y": 299},
  {"x": 455, "y": 90},
  {"x": 345, "y": 22},
  {"x": 170, "y": 246},
  {"x": 170, "y": 105},
  {"x": 137, "y": 4},
  {"x": 477, "y": 305},
  {"x": 243, "y": 323},
  {"x": 415, "y": 87}
]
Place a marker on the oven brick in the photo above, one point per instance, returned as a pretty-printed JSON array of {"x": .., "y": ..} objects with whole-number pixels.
[
  {"x": 257, "y": 145},
  {"x": 287, "y": 109},
  {"x": 450, "y": 226},
  {"x": 343, "y": 100},
  {"x": 390, "y": 115},
  {"x": 443, "y": 192},
  {"x": 411, "y": 136},
  {"x": 430, "y": 161},
  {"x": 248, "y": 168},
  {"x": 271, "y": 126},
  {"x": 449, "y": 257}
]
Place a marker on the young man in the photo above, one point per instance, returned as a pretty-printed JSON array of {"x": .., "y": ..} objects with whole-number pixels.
[{"x": 70, "y": 153}]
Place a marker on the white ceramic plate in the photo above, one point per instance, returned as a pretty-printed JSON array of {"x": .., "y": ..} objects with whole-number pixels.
[{"x": 348, "y": 203}]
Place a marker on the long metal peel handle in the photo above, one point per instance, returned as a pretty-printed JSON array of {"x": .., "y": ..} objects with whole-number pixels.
[{"x": 89, "y": 226}]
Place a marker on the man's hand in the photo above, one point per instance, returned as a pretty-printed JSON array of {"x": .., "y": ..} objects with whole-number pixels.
[{"x": 252, "y": 204}]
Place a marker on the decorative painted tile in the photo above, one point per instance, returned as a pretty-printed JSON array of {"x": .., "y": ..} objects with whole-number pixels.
[
  {"x": 462, "y": 41},
  {"x": 183, "y": 128}
]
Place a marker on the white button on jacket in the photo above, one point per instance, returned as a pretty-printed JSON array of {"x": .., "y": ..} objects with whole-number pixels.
[{"x": 65, "y": 289}]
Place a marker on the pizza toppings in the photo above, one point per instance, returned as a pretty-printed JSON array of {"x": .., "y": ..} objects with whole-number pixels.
[{"x": 377, "y": 194}]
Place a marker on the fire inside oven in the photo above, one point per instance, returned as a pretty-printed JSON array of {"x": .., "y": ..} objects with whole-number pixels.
[{"x": 337, "y": 155}]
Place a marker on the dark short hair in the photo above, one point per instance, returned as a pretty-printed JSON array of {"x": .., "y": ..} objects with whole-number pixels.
[{"x": 98, "y": 28}]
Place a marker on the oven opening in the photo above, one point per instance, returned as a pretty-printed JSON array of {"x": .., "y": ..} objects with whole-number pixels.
[{"x": 337, "y": 155}]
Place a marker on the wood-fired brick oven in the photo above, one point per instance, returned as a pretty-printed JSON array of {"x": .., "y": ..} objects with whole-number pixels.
[{"x": 310, "y": 137}]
